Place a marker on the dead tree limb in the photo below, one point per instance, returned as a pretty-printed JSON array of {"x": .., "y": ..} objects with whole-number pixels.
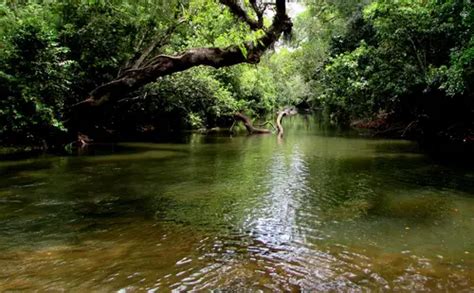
[
  {"x": 249, "y": 125},
  {"x": 251, "y": 129},
  {"x": 281, "y": 114}
]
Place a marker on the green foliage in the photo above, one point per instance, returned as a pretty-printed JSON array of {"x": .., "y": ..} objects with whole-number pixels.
[
  {"x": 53, "y": 53},
  {"x": 35, "y": 75},
  {"x": 204, "y": 97},
  {"x": 408, "y": 58},
  {"x": 459, "y": 77},
  {"x": 195, "y": 96}
]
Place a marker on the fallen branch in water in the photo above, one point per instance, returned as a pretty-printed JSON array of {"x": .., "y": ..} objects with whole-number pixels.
[
  {"x": 249, "y": 126},
  {"x": 281, "y": 114},
  {"x": 251, "y": 129}
]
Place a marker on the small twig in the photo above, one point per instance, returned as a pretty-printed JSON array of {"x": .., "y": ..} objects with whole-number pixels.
[
  {"x": 133, "y": 99},
  {"x": 410, "y": 125},
  {"x": 266, "y": 123},
  {"x": 231, "y": 129}
]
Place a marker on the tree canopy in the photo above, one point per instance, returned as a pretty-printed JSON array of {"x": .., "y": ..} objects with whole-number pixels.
[
  {"x": 404, "y": 62},
  {"x": 402, "y": 65}
]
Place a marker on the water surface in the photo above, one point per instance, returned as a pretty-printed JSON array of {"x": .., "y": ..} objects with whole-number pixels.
[{"x": 314, "y": 211}]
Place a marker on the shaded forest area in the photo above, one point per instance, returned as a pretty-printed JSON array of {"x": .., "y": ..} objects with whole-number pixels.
[{"x": 401, "y": 69}]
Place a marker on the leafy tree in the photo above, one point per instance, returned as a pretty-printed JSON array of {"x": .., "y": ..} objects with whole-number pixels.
[
  {"x": 55, "y": 52},
  {"x": 411, "y": 60},
  {"x": 35, "y": 75}
]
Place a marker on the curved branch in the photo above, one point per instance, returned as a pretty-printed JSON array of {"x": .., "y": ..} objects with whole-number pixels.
[
  {"x": 248, "y": 124},
  {"x": 163, "y": 65},
  {"x": 281, "y": 114}
]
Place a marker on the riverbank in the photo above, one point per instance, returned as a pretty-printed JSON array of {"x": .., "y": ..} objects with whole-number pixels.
[{"x": 455, "y": 141}]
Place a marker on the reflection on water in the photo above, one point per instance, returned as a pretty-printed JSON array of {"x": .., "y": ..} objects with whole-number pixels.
[
  {"x": 315, "y": 211},
  {"x": 274, "y": 220}
]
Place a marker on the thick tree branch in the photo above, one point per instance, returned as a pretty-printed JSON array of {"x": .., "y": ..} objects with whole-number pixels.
[
  {"x": 163, "y": 65},
  {"x": 248, "y": 124},
  {"x": 240, "y": 13}
]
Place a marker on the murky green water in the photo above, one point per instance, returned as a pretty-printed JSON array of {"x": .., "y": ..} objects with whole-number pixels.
[{"x": 311, "y": 212}]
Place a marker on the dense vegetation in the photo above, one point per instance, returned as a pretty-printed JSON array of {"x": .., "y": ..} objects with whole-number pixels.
[
  {"x": 400, "y": 67},
  {"x": 53, "y": 54},
  {"x": 403, "y": 67}
]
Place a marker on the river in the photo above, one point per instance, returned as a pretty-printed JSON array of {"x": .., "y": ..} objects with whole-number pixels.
[{"x": 317, "y": 211}]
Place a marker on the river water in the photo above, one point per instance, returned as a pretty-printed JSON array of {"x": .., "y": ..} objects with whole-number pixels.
[{"x": 315, "y": 211}]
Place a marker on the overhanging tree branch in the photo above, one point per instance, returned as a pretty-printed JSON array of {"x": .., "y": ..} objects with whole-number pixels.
[{"x": 163, "y": 65}]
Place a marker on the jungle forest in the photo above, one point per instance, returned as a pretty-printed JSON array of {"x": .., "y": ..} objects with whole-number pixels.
[{"x": 237, "y": 145}]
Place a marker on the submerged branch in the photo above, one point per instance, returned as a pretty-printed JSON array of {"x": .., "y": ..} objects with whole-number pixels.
[{"x": 249, "y": 125}]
